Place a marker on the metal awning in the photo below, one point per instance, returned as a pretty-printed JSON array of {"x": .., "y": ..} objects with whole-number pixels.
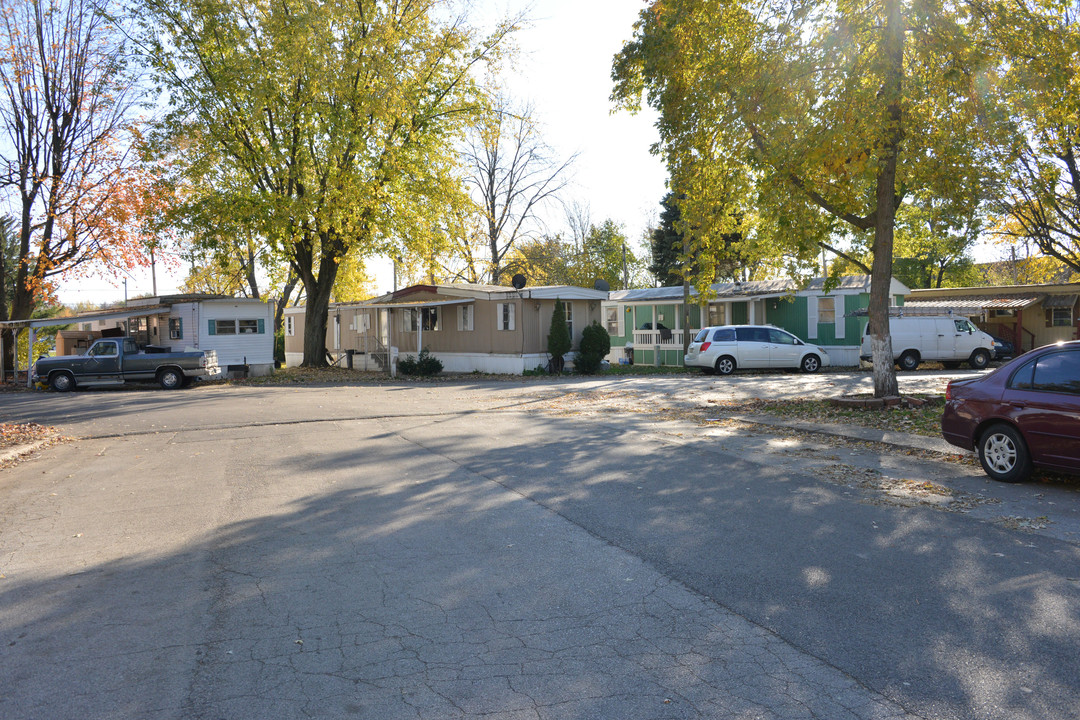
[
  {"x": 973, "y": 304},
  {"x": 89, "y": 317},
  {"x": 1057, "y": 302},
  {"x": 421, "y": 304}
]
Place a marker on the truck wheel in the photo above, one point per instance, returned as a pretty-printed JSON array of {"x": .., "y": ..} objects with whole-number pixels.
[
  {"x": 62, "y": 382},
  {"x": 979, "y": 359},
  {"x": 170, "y": 379},
  {"x": 909, "y": 360}
]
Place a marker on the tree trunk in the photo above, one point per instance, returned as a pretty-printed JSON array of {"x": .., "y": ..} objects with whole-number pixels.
[
  {"x": 885, "y": 214},
  {"x": 318, "y": 289}
]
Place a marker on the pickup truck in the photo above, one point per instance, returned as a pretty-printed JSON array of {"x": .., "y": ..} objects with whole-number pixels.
[{"x": 114, "y": 361}]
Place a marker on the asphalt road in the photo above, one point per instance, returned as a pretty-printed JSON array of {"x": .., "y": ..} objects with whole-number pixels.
[{"x": 496, "y": 549}]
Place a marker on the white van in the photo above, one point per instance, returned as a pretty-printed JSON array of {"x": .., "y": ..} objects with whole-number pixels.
[{"x": 946, "y": 339}]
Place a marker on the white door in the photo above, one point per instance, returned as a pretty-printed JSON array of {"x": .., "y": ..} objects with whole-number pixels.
[{"x": 784, "y": 349}]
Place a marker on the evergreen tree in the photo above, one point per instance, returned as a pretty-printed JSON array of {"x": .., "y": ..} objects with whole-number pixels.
[
  {"x": 559, "y": 342},
  {"x": 666, "y": 244}
]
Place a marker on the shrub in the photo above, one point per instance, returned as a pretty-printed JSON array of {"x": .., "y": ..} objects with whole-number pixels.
[
  {"x": 559, "y": 342},
  {"x": 423, "y": 365},
  {"x": 595, "y": 345}
]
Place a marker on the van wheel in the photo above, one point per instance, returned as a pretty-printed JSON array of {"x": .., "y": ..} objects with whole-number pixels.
[
  {"x": 979, "y": 359},
  {"x": 1003, "y": 454},
  {"x": 725, "y": 365},
  {"x": 909, "y": 360},
  {"x": 811, "y": 364}
]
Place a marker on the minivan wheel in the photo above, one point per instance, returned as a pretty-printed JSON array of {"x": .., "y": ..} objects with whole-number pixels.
[
  {"x": 725, "y": 365},
  {"x": 1003, "y": 454},
  {"x": 979, "y": 359},
  {"x": 909, "y": 360},
  {"x": 811, "y": 364}
]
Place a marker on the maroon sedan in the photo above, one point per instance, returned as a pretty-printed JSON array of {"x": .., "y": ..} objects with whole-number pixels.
[{"x": 1025, "y": 413}]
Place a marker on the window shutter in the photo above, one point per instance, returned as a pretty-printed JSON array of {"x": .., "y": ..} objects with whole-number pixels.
[
  {"x": 811, "y": 317},
  {"x": 211, "y": 327},
  {"x": 262, "y": 326},
  {"x": 840, "y": 313},
  {"x": 1049, "y": 318}
]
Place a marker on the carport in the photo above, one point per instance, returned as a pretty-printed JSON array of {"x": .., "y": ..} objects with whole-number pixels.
[{"x": 17, "y": 325}]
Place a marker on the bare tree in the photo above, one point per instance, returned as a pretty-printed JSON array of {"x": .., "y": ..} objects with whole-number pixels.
[
  {"x": 65, "y": 166},
  {"x": 513, "y": 174}
]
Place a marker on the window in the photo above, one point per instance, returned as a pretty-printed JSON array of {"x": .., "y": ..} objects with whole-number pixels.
[
  {"x": 409, "y": 321},
  {"x": 290, "y": 325},
  {"x": 236, "y": 327},
  {"x": 724, "y": 335},
  {"x": 963, "y": 326},
  {"x": 430, "y": 319},
  {"x": 504, "y": 316},
  {"x": 717, "y": 315},
  {"x": 176, "y": 328},
  {"x": 782, "y": 338},
  {"x": 105, "y": 349},
  {"x": 752, "y": 334},
  {"x": 570, "y": 319},
  {"x": 1058, "y": 372},
  {"x": 826, "y": 308},
  {"x": 1060, "y": 317},
  {"x": 611, "y": 320},
  {"x": 465, "y": 317}
]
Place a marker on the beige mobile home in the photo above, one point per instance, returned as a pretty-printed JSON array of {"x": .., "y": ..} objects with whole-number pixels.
[{"x": 484, "y": 328}]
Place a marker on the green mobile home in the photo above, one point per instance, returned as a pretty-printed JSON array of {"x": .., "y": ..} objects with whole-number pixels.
[{"x": 646, "y": 325}]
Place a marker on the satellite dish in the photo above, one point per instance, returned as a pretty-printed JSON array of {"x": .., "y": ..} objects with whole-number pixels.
[
  {"x": 602, "y": 285},
  {"x": 518, "y": 282}
]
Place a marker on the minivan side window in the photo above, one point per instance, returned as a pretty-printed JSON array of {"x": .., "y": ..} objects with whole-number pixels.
[
  {"x": 724, "y": 335},
  {"x": 700, "y": 337},
  {"x": 745, "y": 334},
  {"x": 1058, "y": 372},
  {"x": 781, "y": 338}
]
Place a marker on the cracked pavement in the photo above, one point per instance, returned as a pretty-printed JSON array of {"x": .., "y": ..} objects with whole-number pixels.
[{"x": 459, "y": 551}]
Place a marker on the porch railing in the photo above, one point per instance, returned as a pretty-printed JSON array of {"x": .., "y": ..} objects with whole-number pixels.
[{"x": 664, "y": 338}]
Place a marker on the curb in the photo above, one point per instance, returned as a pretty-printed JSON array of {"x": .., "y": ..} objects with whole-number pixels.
[
  {"x": 887, "y": 437},
  {"x": 19, "y": 451}
]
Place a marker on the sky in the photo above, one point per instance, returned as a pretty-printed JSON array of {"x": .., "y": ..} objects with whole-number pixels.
[{"x": 564, "y": 70}]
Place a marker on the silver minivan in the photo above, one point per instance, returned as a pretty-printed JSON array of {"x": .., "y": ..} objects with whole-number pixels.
[{"x": 725, "y": 348}]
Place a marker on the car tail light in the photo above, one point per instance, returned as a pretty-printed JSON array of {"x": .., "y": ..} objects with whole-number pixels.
[
  {"x": 948, "y": 391},
  {"x": 704, "y": 346}
]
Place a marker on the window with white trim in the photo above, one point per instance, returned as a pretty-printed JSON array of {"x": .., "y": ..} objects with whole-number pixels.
[
  {"x": 717, "y": 314},
  {"x": 570, "y": 320},
  {"x": 612, "y": 315},
  {"x": 409, "y": 321},
  {"x": 465, "y": 317},
  {"x": 504, "y": 316},
  {"x": 826, "y": 308},
  {"x": 176, "y": 328},
  {"x": 290, "y": 325}
]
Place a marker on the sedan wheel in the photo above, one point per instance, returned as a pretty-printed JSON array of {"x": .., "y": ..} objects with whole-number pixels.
[{"x": 1003, "y": 454}]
